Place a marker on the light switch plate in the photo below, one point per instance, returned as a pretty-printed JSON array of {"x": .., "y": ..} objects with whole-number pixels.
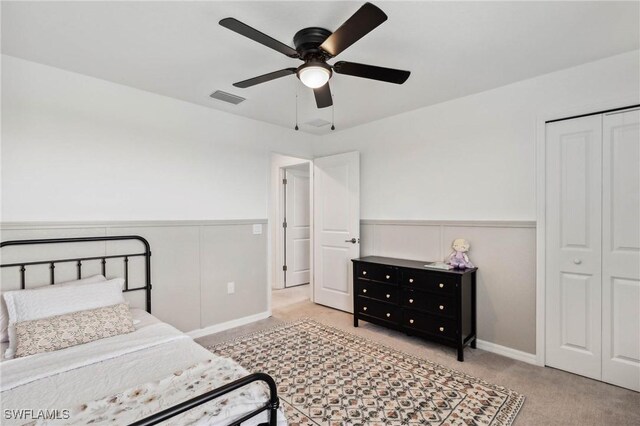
[
  {"x": 257, "y": 229},
  {"x": 231, "y": 287}
]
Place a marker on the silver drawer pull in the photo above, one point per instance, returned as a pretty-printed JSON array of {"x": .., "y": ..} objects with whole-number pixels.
[
  {"x": 410, "y": 280},
  {"x": 364, "y": 290},
  {"x": 364, "y": 309},
  {"x": 410, "y": 300},
  {"x": 441, "y": 285},
  {"x": 441, "y": 307},
  {"x": 388, "y": 296},
  {"x": 441, "y": 328},
  {"x": 388, "y": 315},
  {"x": 410, "y": 321},
  {"x": 388, "y": 276},
  {"x": 364, "y": 272}
]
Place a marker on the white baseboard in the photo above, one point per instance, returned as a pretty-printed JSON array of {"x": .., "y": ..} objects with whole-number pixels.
[
  {"x": 481, "y": 344},
  {"x": 216, "y": 328},
  {"x": 508, "y": 352}
]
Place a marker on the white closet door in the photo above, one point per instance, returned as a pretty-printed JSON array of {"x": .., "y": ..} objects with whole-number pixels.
[
  {"x": 621, "y": 250},
  {"x": 298, "y": 248},
  {"x": 573, "y": 238}
]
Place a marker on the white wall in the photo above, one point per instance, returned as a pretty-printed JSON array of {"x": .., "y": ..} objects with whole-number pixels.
[
  {"x": 472, "y": 158},
  {"x": 76, "y": 148},
  {"x": 79, "y": 148}
]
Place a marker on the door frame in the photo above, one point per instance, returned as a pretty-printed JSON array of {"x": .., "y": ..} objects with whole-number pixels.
[
  {"x": 541, "y": 181},
  {"x": 278, "y": 162}
]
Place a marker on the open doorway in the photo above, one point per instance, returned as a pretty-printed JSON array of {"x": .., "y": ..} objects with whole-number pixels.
[
  {"x": 322, "y": 240},
  {"x": 291, "y": 231}
]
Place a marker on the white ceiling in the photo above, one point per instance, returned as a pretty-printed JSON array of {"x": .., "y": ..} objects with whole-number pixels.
[{"x": 453, "y": 49}]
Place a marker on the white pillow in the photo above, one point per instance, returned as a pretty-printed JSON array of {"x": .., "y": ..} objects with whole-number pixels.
[
  {"x": 4, "y": 316},
  {"x": 33, "y": 304}
]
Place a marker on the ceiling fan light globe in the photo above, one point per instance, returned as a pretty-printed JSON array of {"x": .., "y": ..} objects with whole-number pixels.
[{"x": 314, "y": 76}]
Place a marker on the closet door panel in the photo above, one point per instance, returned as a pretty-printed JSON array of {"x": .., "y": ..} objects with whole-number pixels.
[
  {"x": 574, "y": 226},
  {"x": 621, "y": 250}
]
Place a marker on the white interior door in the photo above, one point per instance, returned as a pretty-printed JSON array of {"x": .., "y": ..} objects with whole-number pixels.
[
  {"x": 336, "y": 228},
  {"x": 297, "y": 216},
  {"x": 573, "y": 245},
  {"x": 621, "y": 250}
]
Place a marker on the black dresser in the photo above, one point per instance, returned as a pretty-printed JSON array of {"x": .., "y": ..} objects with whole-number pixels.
[{"x": 404, "y": 295}]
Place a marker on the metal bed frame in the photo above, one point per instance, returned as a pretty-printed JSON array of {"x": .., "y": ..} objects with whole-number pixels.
[{"x": 271, "y": 406}]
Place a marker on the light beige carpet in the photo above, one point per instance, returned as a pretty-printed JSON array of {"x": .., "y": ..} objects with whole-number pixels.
[
  {"x": 327, "y": 376},
  {"x": 554, "y": 397}
]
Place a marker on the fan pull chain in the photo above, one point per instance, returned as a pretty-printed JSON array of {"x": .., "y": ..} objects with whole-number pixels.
[
  {"x": 296, "y": 128},
  {"x": 333, "y": 115}
]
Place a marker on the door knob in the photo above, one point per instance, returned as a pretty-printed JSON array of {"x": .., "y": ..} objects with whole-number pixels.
[
  {"x": 352, "y": 241},
  {"x": 577, "y": 261}
]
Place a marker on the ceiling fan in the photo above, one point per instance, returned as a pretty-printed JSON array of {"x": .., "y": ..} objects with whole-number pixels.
[{"x": 315, "y": 46}]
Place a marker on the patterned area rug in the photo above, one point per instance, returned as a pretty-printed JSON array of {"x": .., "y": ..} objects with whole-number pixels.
[{"x": 327, "y": 376}]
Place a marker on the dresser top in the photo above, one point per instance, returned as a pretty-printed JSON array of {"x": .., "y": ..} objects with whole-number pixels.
[{"x": 414, "y": 264}]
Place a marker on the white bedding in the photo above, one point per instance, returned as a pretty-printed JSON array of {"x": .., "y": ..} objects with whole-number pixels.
[{"x": 65, "y": 379}]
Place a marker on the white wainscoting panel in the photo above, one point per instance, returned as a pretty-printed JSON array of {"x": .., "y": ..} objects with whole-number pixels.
[
  {"x": 192, "y": 261},
  {"x": 505, "y": 253}
]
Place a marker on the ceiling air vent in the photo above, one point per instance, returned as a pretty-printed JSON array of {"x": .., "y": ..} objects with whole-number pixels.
[
  {"x": 318, "y": 122},
  {"x": 227, "y": 97}
]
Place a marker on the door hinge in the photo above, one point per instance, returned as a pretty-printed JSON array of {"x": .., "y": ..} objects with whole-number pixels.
[
  {"x": 284, "y": 181},
  {"x": 284, "y": 268},
  {"x": 284, "y": 224}
]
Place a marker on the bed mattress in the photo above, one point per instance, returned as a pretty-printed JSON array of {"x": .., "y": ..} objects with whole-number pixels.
[{"x": 84, "y": 375}]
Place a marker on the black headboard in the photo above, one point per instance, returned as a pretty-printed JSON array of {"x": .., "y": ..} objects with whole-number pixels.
[{"x": 22, "y": 266}]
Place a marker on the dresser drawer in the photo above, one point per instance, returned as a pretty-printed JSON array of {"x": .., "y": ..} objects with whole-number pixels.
[
  {"x": 381, "y": 273},
  {"x": 385, "y": 292},
  {"x": 432, "y": 303},
  {"x": 377, "y": 309},
  {"x": 431, "y": 324},
  {"x": 429, "y": 281}
]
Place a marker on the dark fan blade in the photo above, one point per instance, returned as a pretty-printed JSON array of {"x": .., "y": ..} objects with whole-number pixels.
[
  {"x": 360, "y": 24},
  {"x": 323, "y": 96},
  {"x": 255, "y": 35},
  {"x": 264, "y": 78},
  {"x": 389, "y": 75}
]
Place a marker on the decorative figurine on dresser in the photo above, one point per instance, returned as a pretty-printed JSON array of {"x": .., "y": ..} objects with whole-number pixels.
[{"x": 428, "y": 300}]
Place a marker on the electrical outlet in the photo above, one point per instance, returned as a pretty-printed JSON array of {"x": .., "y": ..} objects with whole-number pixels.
[
  {"x": 231, "y": 287},
  {"x": 257, "y": 229}
]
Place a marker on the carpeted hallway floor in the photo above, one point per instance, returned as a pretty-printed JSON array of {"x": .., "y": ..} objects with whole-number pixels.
[{"x": 553, "y": 397}]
